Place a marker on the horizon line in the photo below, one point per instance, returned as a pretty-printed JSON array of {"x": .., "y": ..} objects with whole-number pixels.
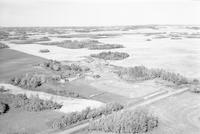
[{"x": 111, "y": 25}]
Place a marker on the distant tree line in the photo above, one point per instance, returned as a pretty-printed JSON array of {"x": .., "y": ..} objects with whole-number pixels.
[
  {"x": 90, "y": 44},
  {"x": 138, "y": 73},
  {"x": 25, "y": 40},
  {"x": 92, "y": 36},
  {"x": 105, "y": 46},
  {"x": 28, "y": 80},
  {"x": 111, "y": 55}
]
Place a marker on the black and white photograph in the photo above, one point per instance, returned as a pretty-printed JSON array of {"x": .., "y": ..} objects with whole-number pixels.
[{"x": 99, "y": 66}]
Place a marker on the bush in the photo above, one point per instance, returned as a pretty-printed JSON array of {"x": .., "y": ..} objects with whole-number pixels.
[
  {"x": 2, "y": 108},
  {"x": 14, "y": 101},
  {"x": 88, "y": 113},
  {"x": 44, "y": 51},
  {"x": 52, "y": 64},
  {"x": 135, "y": 73},
  {"x": 195, "y": 88},
  {"x": 142, "y": 73},
  {"x": 195, "y": 81},
  {"x": 110, "y": 55},
  {"x": 29, "y": 104},
  {"x": 2, "y": 45},
  {"x": 139, "y": 121},
  {"x": 2, "y": 89},
  {"x": 34, "y": 81},
  {"x": 105, "y": 46},
  {"x": 37, "y": 104},
  {"x": 66, "y": 71},
  {"x": 70, "y": 119},
  {"x": 57, "y": 66},
  {"x": 29, "y": 80},
  {"x": 148, "y": 39},
  {"x": 19, "y": 100},
  {"x": 31, "y": 41}
]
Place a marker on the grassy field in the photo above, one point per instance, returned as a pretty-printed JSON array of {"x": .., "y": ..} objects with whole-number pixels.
[
  {"x": 179, "y": 115},
  {"x": 14, "y": 62},
  {"x": 23, "y": 121}
]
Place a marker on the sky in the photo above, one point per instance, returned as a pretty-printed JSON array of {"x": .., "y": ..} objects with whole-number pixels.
[{"x": 98, "y": 12}]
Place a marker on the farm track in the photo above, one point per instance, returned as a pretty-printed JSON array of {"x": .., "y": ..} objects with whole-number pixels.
[{"x": 157, "y": 97}]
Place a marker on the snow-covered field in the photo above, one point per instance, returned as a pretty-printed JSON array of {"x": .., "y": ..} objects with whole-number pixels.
[
  {"x": 180, "y": 56},
  {"x": 56, "y": 53}
]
